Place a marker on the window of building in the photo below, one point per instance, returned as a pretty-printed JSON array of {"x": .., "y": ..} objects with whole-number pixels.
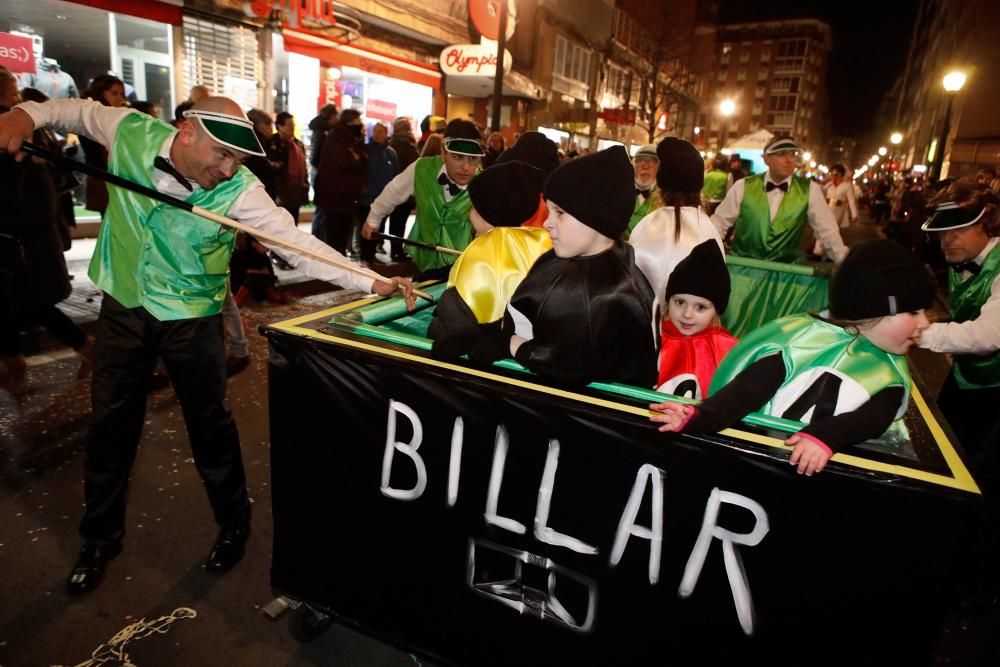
[
  {"x": 758, "y": 107},
  {"x": 741, "y": 74},
  {"x": 791, "y": 47},
  {"x": 617, "y": 85},
  {"x": 223, "y": 57},
  {"x": 782, "y": 103},
  {"x": 721, "y": 76},
  {"x": 783, "y": 120},
  {"x": 571, "y": 70},
  {"x": 765, "y": 53},
  {"x": 762, "y": 74},
  {"x": 745, "y": 54}
]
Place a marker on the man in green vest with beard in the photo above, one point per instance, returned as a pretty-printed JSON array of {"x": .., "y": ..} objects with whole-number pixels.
[
  {"x": 438, "y": 183},
  {"x": 164, "y": 274},
  {"x": 770, "y": 211},
  {"x": 645, "y": 163}
]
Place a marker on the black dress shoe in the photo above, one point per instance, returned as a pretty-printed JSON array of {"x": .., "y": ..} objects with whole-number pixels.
[
  {"x": 88, "y": 572},
  {"x": 229, "y": 548}
]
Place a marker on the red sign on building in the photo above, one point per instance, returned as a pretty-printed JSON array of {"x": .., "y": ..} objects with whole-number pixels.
[
  {"x": 618, "y": 116},
  {"x": 379, "y": 110},
  {"x": 16, "y": 53}
]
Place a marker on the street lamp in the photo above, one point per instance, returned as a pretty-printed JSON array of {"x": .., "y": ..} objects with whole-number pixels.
[
  {"x": 952, "y": 82},
  {"x": 882, "y": 150},
  {"x": 895, "y": 138},
  {"x": 726, "y": 109}
]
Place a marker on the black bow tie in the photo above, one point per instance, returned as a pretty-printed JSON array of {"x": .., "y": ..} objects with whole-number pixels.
[
  {"x": 644, "y": 193},
  {"x": 781, "y": 186},
  {"x": 971, "y": 267},
  {"x": 163, "y": 164},
  {"x": 453, "y": 189}
]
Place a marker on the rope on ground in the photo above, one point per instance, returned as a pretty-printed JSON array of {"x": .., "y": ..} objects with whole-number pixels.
[{"x": 114, "y": 650}]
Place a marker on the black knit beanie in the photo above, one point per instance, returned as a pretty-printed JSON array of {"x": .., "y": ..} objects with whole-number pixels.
[
  {"x": 879, "y": 278},
  {"x": 533, "y": 148},
  {"x": 506, "y": 195},
  {"x": 681, "y": 166},
  {"x": 596, "y": 189},
  {"x": 702, "y": 273}
]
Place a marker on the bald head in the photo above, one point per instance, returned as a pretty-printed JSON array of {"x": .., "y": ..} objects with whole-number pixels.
[{"x": 219, "y": 104}]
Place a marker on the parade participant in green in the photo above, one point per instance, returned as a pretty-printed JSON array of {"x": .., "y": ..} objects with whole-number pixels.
[
  {"x": 845, "y": 376},
  {"x": 967, "y": 223},
  {"x": 164, "y": 274},
  {"x": 646, "y": 164},
  {"x": 716, "y": 184},
  {"x": 438, "y": 183},
  {"x": 770, "y": 210}
]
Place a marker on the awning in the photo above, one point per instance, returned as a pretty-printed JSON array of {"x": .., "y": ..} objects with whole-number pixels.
[
  {"x": 515, "y": 84},
  {"x": 334, "y": 53},
  {"x": 167, "y": 11}
]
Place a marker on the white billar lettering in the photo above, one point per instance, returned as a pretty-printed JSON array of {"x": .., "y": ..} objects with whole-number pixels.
[
  {"x": 734, "y": 563},
  {"x": 496, "y": 481},
  {"x": 455, "y": 463},
  {"x": 409, "y": 449},
  {"x": 542, "y": 531},
  {"x": 647, "y": 474}
]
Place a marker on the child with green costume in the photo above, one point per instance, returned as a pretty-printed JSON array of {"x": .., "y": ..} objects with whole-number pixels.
[{"x": 844, "y": 375}]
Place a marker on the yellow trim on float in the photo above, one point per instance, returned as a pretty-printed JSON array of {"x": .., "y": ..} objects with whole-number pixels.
[{"x": 961, "y": 479}]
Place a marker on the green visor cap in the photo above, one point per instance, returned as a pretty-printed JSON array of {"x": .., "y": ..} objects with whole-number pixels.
[
  {"x": 463, "y": 146},
  {"x": 230, "y": 131},
  {"x": 949, "y": 215}
]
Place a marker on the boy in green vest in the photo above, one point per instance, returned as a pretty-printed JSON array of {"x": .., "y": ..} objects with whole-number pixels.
[
  {"x": 164, "y": 274},
  {"x": 770, "y": 210},
  {"x": 967, "y": 223},
  {"x": 845, "y": 376},
  {"x": 438, "y": 183}
]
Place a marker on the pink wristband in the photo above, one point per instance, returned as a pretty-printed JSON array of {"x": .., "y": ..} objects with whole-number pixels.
[
  {"x": 816, "y": 441},
  {"x": 691, "y": 412}
]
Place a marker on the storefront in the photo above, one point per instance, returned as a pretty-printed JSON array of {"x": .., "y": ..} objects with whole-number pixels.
[
  {"x": 74, "y": 42},
  {"x": 310, "y": 71}
]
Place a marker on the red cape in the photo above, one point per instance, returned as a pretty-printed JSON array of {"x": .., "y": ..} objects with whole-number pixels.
[{"x": 686, "y": 360}]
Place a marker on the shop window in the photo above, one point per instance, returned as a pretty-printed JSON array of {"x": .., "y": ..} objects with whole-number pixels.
[
  {"x": 223, "y": 57},
  {"x": 144, "y": 57}
]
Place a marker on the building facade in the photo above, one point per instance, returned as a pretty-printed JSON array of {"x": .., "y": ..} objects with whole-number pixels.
[{"x": 774, "y": 72}]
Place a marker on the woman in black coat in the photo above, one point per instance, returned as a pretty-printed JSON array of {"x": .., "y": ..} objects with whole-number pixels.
[{"x": 342, "y": 178}]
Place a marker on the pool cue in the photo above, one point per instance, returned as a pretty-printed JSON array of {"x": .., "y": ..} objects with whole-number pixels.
[
  {"x": 419, "y": 244},
  {"x": 90, "y": 170}
]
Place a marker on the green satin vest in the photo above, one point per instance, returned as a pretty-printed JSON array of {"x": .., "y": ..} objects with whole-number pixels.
[
  {"x": 715, "y": 185},
  {"x": 167, "y": 260},
  {"x": 975, "y": 371},
  {"x": 652, "y": 203},
  {"x": 828, "y": 370},
  {"x": 438, "y": 222},
  {"x": 778, "y": 240}
]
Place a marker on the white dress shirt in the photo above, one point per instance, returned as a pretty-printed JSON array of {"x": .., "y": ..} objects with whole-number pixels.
[
  {"x": 978, "y": 336},
  {"x": 843, "y": 192},
  {"x": 818, "y": 214},
  {"x": 397, "y": 191},
  {"x": 254, "y": 207}
]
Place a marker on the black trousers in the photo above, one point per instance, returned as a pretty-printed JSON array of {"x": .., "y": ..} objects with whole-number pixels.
[
  {"x": 397, "y": 227},
  {"x": 13, "y": 320},
  {"x": 129, "y": 341}
]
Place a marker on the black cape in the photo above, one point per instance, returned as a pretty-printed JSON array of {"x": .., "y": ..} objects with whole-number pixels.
[{"x": 591, "y": 319}]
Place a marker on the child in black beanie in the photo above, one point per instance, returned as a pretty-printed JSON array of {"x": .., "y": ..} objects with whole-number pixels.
[
  {"x": 584, "y": 312},
  {"x": 845, "y": 376}
]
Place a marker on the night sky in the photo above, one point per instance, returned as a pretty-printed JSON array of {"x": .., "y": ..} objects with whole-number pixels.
[{"x": 870, "y": 42}]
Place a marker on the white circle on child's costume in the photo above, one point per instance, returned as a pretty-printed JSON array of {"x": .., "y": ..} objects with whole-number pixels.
[
  {"x": 850, "y": 395},
  {"x": 671, "y": 385}
]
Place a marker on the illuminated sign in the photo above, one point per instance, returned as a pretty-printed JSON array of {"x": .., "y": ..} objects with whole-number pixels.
[
  {"x": 473, "y": 60},
  {"x": 293, "y": 11}
]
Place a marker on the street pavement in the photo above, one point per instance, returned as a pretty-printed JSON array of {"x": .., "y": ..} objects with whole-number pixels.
[{"x": 158, "y": 607}]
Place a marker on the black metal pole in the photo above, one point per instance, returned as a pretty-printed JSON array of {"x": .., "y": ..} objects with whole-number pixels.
[
  {"x": 942, "y": 140},
  {"x": 498, "y": 77},
  {"x": 69, "y": 163}
]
